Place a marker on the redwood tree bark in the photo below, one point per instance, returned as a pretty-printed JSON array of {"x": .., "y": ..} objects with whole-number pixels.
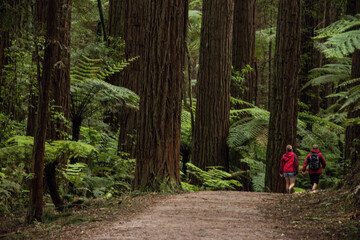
[
  {"x": 213, "y": 97},
  {"x": 244, "y": 53},
  {"x": 134, "y": 35},
  {"x": 284, "y": 92},
  {"x": 244, "y": 46},
  {"x": 158, "y": 134},
  {"x": 36, "y": 196},
  {"x": 59, "y": 95}
]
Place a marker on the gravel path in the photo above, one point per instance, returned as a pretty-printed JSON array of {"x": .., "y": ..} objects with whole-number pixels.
[{"x": 201, "y": 215}]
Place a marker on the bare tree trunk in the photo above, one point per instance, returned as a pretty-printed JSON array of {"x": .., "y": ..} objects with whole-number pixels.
[
  {"x": 36, "y": 196},
  {"x": 102, "y": 20},
  {"x": 213, "y": 97},
  {"x": 133, "y": 21},
  {"x": 284, "y": 105},
  {"x": 244, "y": 46},
  {"x": 60, "y": 96},
  {"x": 4, "y": 44},
  {"x": 158, "y": 135}
]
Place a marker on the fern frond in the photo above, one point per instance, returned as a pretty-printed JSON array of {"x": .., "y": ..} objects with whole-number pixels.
[
  {"x": 340, "y": 26},
  {"x": 354, "y": 97},
  {"x": 343, "y": 44}
]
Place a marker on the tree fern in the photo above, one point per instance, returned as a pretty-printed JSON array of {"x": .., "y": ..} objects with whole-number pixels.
[
  {"x": 214, "y": 178},
  {"x": 341, "y": 41}
]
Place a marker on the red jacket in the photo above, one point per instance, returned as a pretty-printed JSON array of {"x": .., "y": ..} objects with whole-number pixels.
[
  {"x": 321, "y": 159},
  {"x": 287, "y": 163}
]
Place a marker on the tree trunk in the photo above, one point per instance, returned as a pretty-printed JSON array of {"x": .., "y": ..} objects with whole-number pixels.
[
  {"x": 313, "y": 17},
  {"x": 133, "y": 34},
  {"x": 244, "y": 53},
  {"x": 213, "y": 97},
  {"x": 101, "y": 14},
  {"x": 284, "y": 105},
  {"x": 307, "y": 51},
  {"x": 36, "y": 195},
  {"x": 39, "y": 28},
  {"x": 60, "y": 96},
  {"x": 352, "y": 133},
  {"x": 244, "y": 46},
  {"x": 115, "y": 18},
  {"x": 4, "y": 44},
  {"x": 158, "y": 135}
]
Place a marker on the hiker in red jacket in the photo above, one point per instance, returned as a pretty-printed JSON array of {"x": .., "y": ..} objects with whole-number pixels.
[
  {"x": 289, "y": 167},
  {"x": 315, "y": 160}
]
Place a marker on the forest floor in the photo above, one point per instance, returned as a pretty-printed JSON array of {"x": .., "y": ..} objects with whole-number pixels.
[{"x": 201, "y": 215}]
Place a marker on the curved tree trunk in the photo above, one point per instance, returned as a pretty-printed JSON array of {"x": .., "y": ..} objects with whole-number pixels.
[
  {"x": 284, "y": 92},
  {"x": 213, "y": 97},
  {"x": 158, "y": 135}
]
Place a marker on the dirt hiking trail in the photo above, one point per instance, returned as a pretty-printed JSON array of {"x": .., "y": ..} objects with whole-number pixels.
[{"x": 200, "y": 215}]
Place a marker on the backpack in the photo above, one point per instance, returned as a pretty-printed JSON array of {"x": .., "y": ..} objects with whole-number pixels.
[{"x": 314, "y": 163}]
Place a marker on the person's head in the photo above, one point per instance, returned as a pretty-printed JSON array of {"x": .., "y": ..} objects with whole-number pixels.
[
  {"x": 315, "y": 146},
  {"x": 289, "y": 148}
]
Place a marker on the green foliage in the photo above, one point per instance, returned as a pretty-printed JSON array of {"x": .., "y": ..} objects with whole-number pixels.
[
  {"x": 341, "y": 41},
  {"x": 213, "y": 179},
  {"x": 238, "y": 77},
  {"x": 8, "y": 128},
  {"x": 89, "y": 88}
]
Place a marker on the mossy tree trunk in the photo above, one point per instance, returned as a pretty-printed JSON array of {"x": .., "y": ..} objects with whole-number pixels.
[
  {"x": 158, "y": 133},
  {"x": 213, "y": 95},
  {"x": 284, "y": 92}
]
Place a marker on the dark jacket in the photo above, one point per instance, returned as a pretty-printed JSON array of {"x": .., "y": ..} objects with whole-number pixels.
[
  {"x": 321, "y": 159},
  {"x": 287, "y": 163}
]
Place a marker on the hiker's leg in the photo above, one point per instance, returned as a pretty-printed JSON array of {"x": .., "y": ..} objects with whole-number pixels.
[
  {"x": 292, "y": 184},
  {"x": 314, "y": 180},
  {"x": 287, "y": 179}
]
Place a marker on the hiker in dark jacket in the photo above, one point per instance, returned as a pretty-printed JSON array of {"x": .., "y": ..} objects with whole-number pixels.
[
  {"x": 315, "y": 160},
  {"x": 289, "y": 166}
]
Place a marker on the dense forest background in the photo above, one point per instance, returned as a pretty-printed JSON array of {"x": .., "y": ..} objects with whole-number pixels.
[{"x": 102, "y": 98}]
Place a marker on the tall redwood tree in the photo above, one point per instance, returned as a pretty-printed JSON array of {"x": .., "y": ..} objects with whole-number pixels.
[
  {"x": 244, "y": 46},
  {"x": 213, "y": 87},
  {"x": 284, "y": 92},
  {"x": 36, "y": 193},
  {"x": 158, "y": 133},
  {"x": 133, "y": 33},
  {"x": 59, "y": 93}
]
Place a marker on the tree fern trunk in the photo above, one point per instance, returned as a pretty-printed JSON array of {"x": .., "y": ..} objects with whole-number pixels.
[
  {"x": 284, "y": 105},
  {"x": 213, "y": 97}
]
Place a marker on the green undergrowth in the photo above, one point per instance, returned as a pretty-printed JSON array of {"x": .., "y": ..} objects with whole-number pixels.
[{"x": 324, "y": 214}]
